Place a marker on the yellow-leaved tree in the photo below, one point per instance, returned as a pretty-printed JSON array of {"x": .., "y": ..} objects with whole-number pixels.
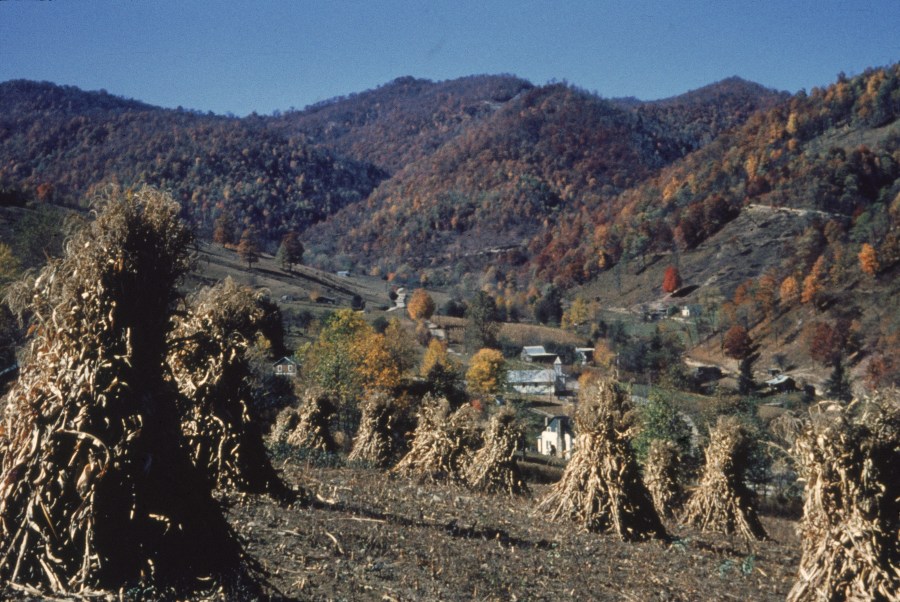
[
  {"x": 487, "y": 372},
  {"x": 579, "y": 312}
]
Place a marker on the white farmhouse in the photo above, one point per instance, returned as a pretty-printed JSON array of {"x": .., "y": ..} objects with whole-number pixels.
[{"x": 556, "y": 439}]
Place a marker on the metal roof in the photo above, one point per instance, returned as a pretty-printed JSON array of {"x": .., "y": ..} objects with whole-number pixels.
[{"x": 522, "y": 377}]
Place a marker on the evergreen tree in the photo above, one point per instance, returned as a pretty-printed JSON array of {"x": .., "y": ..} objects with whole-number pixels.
[
  {"x": 838, "y": 384},
  {"x": 549, "y": 309},
  {"x": 746, "y": 384}
]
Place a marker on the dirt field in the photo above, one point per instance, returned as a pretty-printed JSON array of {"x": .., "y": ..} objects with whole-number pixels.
[{"x": 375, "y": 537}]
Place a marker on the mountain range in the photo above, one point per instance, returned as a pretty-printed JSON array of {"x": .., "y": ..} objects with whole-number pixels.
[{"x": 492, "y": 182}]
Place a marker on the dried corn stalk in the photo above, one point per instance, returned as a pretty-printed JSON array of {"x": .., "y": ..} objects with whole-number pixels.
[
  {"x": 285, "y": 423},
  {"x": 848, "y": 457},
  {"x": 209, "y": 359},
  {"x": 601, "y": 487},
  {"x": 493, "y": 468},
  {"x": 722, "y": 501},
  {"x": 311, "y": 421},
  {"x": 442, "y": 442},
  {"x": 96, "y": 488},
  {"x": 661, "y": 476},
  {"x": 375, "y": 440}
]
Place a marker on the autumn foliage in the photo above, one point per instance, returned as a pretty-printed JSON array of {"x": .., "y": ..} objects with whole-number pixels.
[
  {"x": 737, "y": 342},
  {"x": 420, "y": 305},
  {"x": 868, "y": 260},
  {"x": 487, "y": 372},
  {"x": 671, "y": 279},
  {"x": 789, "y": 292}
]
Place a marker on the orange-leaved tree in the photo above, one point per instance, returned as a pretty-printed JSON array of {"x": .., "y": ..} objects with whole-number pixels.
[
  {"x": 420, "y": 305},
  {"x": 868, "y": 259},
  {"x": 789, "y": 292},
  {"x": 671, "y": 279},
  {"x": 812, "y": 284},
  {"x": 765, "y": 294}
]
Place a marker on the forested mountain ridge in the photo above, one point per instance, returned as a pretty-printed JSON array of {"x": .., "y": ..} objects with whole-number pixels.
[
  {"x": 700, "y": 115},
  {"x": 57, "y": 143},
  {"x": 278, "y": 173},
  {"x": 403, "y": 120},
  {"x": 547, "y": 153},
  {"x": 833, "y": 150}
]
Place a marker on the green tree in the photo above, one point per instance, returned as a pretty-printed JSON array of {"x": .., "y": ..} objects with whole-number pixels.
[
  {"x": 660, "y": 419},
  {"x": 746, "y": 382},
  {"x": 348, "y": 360},
  {"x": 482, "y": 326},
  {"x": 290, "y": 251},
  {"x": 441, "y": 372},
  {"x": 401, "y": 345}
]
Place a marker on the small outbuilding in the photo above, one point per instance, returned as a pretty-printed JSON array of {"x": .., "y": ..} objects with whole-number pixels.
[
  {"x": 781, "y": 384},
  {"x": 285, "y": 367},
  {"x": 584, "y": 355},
  {"x": 537, "y": 354}
]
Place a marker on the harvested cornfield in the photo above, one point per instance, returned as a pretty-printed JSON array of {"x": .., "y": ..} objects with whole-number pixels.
[
  {"x": 375, "y": 442},
  {"x": 311, "y": 420},
  {"x": 443, "y": 442},
  {"x": 601, "y": 487},
  {"x": 493, "y": 468},
  {"x": 848, "y": 457},
  {"x": 97, "y": 490},
  {"x": 209, "y": 360},
  {"x": 722, "y": 501},
  {"x": 661, "y": 476}
]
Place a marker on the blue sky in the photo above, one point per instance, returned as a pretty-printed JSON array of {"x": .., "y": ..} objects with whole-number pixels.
[{"x": 264, "y": 55}]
